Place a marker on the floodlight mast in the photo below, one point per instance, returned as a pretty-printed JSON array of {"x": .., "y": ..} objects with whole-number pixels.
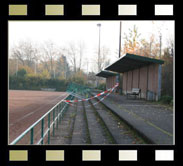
[
  {"x": 118, "y": 77},
  {"x": 99, "y": 25},
  {"x": 120, "y": 39}
]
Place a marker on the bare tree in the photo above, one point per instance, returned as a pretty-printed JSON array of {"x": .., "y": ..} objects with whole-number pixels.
[
  {"x": 37, "y": 56},
  {"x": 167, "y": 72},
  {"x": 29, "y": 53},
  {"x": 74, "y": 53},
  {"x": 170, "y": 45},
  {"x": 49, "y": 55},
  {"x": 62, "y": 66},
  {"x": 71, "y": 52},
  {"x": 25, "y": 54},
  {"x": 17, "y": 53},
  {"x": 102, "y": 61},
  {"x": 81, "y": 51}
]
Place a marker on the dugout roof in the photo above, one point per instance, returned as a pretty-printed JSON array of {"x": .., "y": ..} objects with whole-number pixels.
[
  {"x": 106, "y": 74},
  {"x": 131, "y": 62}
]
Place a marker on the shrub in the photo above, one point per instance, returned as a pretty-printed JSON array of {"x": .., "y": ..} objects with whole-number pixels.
[
  {"x": 21, "y": 73},
  {"x": 36, "y": 83},
  {"x": 171, "y": 102},
  {"x": 167, "y": 100},
  {"x": 101, "y": 86}
]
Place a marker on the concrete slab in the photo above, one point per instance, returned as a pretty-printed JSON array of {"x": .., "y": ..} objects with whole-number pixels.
[{"x": 152, "y": 121}]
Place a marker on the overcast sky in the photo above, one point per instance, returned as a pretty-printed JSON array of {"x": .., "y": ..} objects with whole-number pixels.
[{"x": 64, "y": 32}]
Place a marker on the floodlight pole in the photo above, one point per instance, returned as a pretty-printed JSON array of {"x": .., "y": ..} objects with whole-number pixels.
[
  {"x": 160, "y": 37},
  {"x": 35, "y": 69},
  {"x": 120, "y": 39},
  {"x": 17, "y": 67},
  {"x": 99, "y": 25},
  {"x": 119, "y": 80},
  {"x": 54, "y": 72},
  {"x": 65, "y": 69}
]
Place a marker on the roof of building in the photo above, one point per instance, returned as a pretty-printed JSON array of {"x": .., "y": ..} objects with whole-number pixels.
[
  {"x": 131, "y": 62},
  {"x": 106, "y": 74}
]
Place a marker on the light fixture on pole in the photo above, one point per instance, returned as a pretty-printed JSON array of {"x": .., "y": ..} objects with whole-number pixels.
[
  {"x": 99, "y": 25},
  {"x": 160, "y": 38},
  {"x": 120, "y": 39},
  {"x": 118, "y": 76}
]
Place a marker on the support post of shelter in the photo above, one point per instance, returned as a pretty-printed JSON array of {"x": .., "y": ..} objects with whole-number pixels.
[
  {"x": 159, "y": 82},
  {"x": 132, "y": 80},
  {"x": 127, "y": 83},
  {"x": 147, "y": 89},
  {"x": 139, "y": 78}
]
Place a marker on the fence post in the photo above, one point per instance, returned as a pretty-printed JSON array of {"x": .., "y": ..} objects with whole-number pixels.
[
  {"x": 49, "y": 128},
  {"x": 42, "y": 131},
  {"x": 57, "y": 115},
  {"x": 54, "y": 122},
  {"x": 63, "y": 107},
  {"x": 60, "y": 108},
  {"x": 32, "y": 136}
]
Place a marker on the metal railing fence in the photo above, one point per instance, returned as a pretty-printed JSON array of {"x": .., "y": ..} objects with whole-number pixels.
[{"x": 52, "y": 118}]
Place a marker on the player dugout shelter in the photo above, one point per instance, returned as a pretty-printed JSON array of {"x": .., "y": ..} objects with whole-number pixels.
[
  {"x": 139, "y": 72},
  {"x": 111, "y": 78}
]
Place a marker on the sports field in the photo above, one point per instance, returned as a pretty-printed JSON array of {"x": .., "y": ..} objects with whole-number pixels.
[{"x": 26, "y": 107}]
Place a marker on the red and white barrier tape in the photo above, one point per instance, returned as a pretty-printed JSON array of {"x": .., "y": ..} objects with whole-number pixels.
[
  {"x": 73, "y": 104},
  {"x": 100, "y": 94}
]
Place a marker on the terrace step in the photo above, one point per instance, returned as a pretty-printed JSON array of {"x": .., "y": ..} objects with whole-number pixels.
[
  {"x": 96, "y": 130},
  {"x": 79, "y": 135},
  {"x": 149, "y": 130},
  {"x": 63, "y": 134},
  {"x": 117, "y": 128}
]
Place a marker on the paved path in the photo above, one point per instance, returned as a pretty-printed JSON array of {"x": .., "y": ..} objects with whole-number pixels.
[
  {"x": 64, "y": 133},
  {"x": 119, "y": 131},
  {"x": 154, "y": 122},
  {"x": 79, "y": 135},
  {"x": 87, "y": 123},
  {"x": 97, "y": 133}
]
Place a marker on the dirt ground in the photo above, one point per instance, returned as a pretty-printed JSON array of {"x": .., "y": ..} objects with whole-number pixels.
[{"x": 26, "y": 107}]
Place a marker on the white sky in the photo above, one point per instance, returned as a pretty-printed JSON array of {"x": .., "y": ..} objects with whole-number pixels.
[{"x": 64, "y": 32}]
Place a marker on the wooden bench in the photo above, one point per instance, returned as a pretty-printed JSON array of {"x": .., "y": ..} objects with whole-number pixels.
[{"x": 135, "y": 92}]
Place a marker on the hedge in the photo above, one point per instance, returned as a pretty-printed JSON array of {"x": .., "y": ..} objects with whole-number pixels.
[{"x": 36, "y": 83}]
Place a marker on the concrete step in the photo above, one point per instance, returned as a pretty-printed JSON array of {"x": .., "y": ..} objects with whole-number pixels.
[
  {"x": 79, "y": 135},
  {"x": 117, "y": 128},
  {"x": 63, "y": 134},
  {"x": 96, "y": 131},
  {"x": 151, "y": 132}
]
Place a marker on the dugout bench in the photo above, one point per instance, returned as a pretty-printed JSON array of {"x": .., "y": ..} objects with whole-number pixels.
[{"x": 135, "y": 92}]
